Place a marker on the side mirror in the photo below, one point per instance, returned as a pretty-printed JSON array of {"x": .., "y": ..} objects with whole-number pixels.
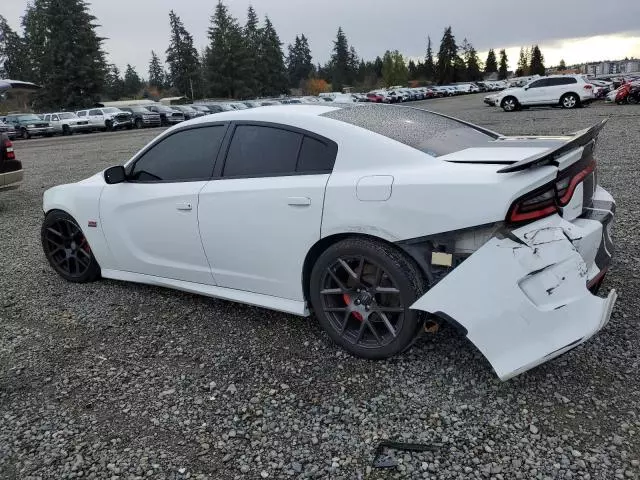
[{"x": 115, "y": 174}]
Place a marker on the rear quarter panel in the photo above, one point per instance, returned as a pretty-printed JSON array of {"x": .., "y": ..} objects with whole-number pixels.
[{"x": 429, "y": 195}]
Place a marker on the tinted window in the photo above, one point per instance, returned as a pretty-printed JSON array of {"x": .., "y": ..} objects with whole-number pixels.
[
  {"x": 257, "y": 151},
  {"x": 186, "y": 155},
  {"x": 316, "y": 156},
  {"x": 55, "y": 117},
  {"x": 562, "y": 81},
  {"x": 95, "y": 112},
  {"x": 82, "y": 114},
  {"x": 425, "y": 131},
  {"x": 538, "y": 83}
]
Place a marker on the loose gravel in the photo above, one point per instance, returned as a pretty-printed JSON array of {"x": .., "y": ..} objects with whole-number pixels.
[{"x": 115, "y": 380}]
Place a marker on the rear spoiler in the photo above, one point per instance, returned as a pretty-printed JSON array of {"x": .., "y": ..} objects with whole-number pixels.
[{"x": 580, "y": 138}]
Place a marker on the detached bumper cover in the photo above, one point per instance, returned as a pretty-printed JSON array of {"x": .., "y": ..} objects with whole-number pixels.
[{"x": 523, "y": 299}]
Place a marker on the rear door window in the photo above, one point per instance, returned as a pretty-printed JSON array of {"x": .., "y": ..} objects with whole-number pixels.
[{"x": 258, "y": 151}]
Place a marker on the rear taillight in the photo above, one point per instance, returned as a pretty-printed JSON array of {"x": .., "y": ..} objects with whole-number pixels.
[
  {"x": 548, "y": 199},
  {"x": 7, "y": 146},
  {"x": 566, "y": 186},
  {"x": 588, "y": 87},
  {"x": 538, "y": 204}
]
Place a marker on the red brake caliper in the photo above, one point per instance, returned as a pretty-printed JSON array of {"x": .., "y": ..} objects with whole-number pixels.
[{"x": 347, "y": 300}]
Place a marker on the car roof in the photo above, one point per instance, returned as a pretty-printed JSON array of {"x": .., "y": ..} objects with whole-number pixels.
[{"x": 294, "y": 110}]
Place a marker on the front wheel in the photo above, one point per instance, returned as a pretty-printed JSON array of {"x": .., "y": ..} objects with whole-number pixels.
[
  {"x": 138, "y": 123},
  {"x": 361, "y": 291},
  {"x": 509, "y": 104},
  {"x": 109, "y": 125},
  {"x": 25, "y": 134},
  {"x": 570, "y": 100},
  {"x": 67, "y": 249}
]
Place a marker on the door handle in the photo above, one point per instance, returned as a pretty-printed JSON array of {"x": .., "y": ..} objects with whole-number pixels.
[
  {"x": 299, "y": 201},
  {"x": 184, "y": 206}
]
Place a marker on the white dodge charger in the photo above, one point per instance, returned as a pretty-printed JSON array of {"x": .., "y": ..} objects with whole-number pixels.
[{"x": 381, "y": 220}]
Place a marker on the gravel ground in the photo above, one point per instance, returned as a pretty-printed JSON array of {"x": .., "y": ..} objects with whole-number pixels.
[{"x": 115, "y": 380}]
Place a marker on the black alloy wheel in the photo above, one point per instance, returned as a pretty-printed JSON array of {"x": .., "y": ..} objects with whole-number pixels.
[
  {"x": 67, "y": 249},
  {"x": 361, "y": 291}
]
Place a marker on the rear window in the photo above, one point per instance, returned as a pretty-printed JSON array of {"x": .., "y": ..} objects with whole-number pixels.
[{"x": 425, "y": 131}]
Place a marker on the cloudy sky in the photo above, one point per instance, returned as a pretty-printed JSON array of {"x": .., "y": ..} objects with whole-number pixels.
[{"x": 576, "y": 30}]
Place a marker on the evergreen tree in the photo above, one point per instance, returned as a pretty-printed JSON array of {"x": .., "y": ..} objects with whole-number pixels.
[
  {"x": 225, "y": 56},
  {"x": 413, "y": 70},
  {"x": 275, "y": 81},
  {"x": 563, "y": 66},
  {"x": 254, "y": 68},
  {"x": 377, "y": 66},
  {"x": 182, "y": 58},
  {"x": 447, "y": 57},
  {"x": 299, "y": 64},
  {"x": 523, "y": 64},
  {"x": 429, "y": 66},
  {"x": 65, "y": 53},
  {"x": 537, "y": 62},
  {"x": 114, "y": 84},
  {"x": 472, "y": 62},
  {"x": 13, "y": 62},
  {"x": 394, "y": 69},
  {"x": 503, "y": 69},
  {"x": 491, "y": 65},
  {"x": 459, "y": 70},
  {"x": 340, "y": 64},
  {"x": 132, "y": 82},
  {"x": 156, "y": 72}
]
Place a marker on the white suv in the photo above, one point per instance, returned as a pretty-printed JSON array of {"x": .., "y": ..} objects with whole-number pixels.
[
  {"x": 567, "y": 91},
  {"x": 67, "y": 123}
]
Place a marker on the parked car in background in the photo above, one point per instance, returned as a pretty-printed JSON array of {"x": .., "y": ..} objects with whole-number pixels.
[
  {"x": 188, "y": 111},
  {"x": 11, "y": 173},
  {"x": 8, "y": 129},
  {"x": 168, "y": 116},
  {"x": 253, "y": 103},
  {"x": 375, "y": 97},
  {"x": 216, "y": 107},
  {"x": 567, "y": 91},
  {"x": 29, "y": 125},
  {"x": 142, "y": 117},
  {"x": 106, "y": 118},
  {"x": 343, "y": 98},
  {"x": 67, "y": 123}
]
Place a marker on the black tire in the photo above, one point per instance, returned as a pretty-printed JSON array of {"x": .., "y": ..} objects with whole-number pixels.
[
  {"x": 569, "y": 101},
  {"x": 67, "y": 249},
  {"x": 66, "y": 130},
  {"x": 25, "y": 134},
  {"x": 510, "y": 104},
  {"x": 138, "y": 123},
  {"x": 109, "y": 125},
  {"x": 367, "y": 334}
]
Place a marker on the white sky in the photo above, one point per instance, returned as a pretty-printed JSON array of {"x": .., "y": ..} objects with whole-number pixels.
[{"x": 591, "y": 32}]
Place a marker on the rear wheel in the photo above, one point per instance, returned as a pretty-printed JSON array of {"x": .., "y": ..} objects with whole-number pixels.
[
  {"x": 510, "y": 104},
  {"x": 569, "y": 100},
  {"x": 361, "y": 291},
  {"x": 67, "y": 249}
]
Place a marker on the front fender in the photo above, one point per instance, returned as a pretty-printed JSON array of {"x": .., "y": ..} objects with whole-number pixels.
[
  {"x": 81, "y": 200},
  {"x": 522, "y": 300}
]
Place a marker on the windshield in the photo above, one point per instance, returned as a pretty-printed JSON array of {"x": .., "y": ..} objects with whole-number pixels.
[
  {"x": 24, "y": 118},
  {"x": 67, "y": 116},
  {"x": 425, "y": 131},
  {"x": 111, "y": 110}
]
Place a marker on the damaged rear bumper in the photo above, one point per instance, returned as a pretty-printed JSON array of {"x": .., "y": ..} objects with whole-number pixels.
[{"x": 522, "y": 297}]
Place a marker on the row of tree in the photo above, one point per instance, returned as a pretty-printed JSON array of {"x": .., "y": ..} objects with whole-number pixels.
[{"x": 60, "y": 49}]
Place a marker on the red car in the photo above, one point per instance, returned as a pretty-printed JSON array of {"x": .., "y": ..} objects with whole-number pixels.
[{"x": 375, "y": 97}]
